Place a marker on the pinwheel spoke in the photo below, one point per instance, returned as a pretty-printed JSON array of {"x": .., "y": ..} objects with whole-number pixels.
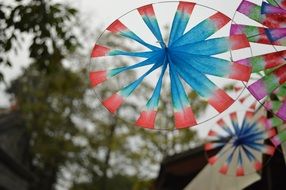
[
  {"x": 218, "y": 67},
  {"x": 181, "y": 20},
  {"x": 266, "y": 85},
  {"x": 148, "y": 15},
  {"x": 101, "y": 51},
  {"x": 147, "y": 118},
  {"x": 203, "y": 30},
  {"x": 215, "y": 46},
  {"x": 119, "y": 28},
  {"x": 98, "y": 77}
]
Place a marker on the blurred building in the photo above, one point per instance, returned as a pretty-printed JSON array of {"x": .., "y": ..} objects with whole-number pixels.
[
  {"x": 14, "y": 153},
  {"x": 190, "y": 171}
]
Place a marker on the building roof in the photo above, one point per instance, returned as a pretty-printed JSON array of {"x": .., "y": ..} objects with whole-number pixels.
[
  {"x": 179, "y": 170},
  {"x": 14, "y": 145}
]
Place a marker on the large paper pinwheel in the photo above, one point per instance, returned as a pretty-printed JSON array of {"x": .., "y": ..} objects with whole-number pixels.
[
  {"x": 189, "y": 58},
  {"x": 266, "y": 26},
  {"x": 237, "y": 146}
]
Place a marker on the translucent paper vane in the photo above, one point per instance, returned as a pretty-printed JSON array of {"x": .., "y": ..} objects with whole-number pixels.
[
  {"x": 237, "y": 145},
  {"x": 191, "y": 54},
  {"x": 280, "y": 126},
  {"x": 279, "y": 140},
  {"x": 265, "y": 28}
]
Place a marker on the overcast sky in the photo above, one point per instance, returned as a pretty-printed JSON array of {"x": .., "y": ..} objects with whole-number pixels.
[{"x": 101, "y": 13}]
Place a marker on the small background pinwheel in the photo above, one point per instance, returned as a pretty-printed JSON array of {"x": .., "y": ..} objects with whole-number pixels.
[
  {"x": 194, "y": 59},
  {"x": 237, "y": 145},
  {"x": 272, "y": 122}
]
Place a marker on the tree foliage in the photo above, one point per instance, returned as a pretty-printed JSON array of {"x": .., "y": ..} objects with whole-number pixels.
[
  {"x": 49, "y": 104},
  {"x": 48, "y": 24}
]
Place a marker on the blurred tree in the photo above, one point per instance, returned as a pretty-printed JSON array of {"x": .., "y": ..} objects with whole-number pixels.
[
  {"x": 50, "y": 25},
  {"x": 45, "y": 93},
  {"x": 50, "y": 104}
]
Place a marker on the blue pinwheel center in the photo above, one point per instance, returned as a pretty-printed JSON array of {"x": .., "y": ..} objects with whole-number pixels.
[
  {"x": 247, "y": 136},
  {"x": 167, "y": 55},
  {"x": 240, "y": 144}
]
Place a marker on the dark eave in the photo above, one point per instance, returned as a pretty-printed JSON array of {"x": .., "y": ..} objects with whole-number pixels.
[{"x": 10, "y": 121}]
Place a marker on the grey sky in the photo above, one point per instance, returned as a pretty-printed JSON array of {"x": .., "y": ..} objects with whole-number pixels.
[{"x": 100, "y": 13}]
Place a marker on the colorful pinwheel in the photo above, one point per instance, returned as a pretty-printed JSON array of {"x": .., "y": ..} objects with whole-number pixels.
[
  {"x": 270, "y": 89},
  {"x": 236, "y": 147},
  {"x": 190, "y": 57},
  {"x": 279, "y": 125},
  {"x": 281, "y": 136},
  {"x": 272, "y": 122}
]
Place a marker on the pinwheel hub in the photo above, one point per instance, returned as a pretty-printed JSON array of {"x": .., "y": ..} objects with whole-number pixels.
[{"x": 238, "y": 142}]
